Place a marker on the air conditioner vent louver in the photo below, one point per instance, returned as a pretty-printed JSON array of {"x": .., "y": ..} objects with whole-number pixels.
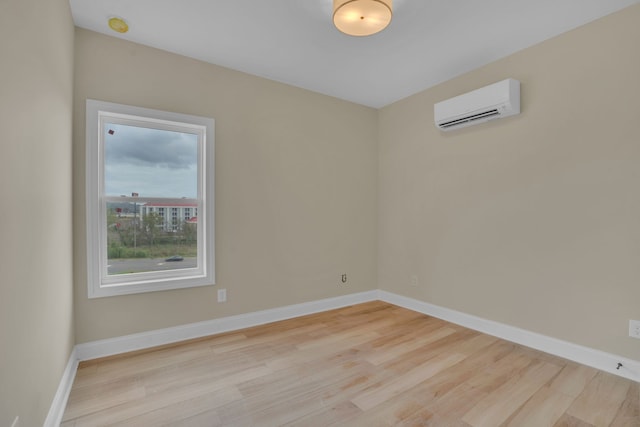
[
  {"x": 498, "y": 100},
  {"x": 478, "y": 116}
]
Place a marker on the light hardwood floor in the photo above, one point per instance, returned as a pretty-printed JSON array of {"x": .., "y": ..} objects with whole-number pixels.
[{"x": 371, "y": 364}]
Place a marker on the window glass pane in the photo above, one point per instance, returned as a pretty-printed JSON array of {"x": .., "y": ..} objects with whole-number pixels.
[
  {"x": 140, "y": 164},
  {"x": 150, "y": 162}
]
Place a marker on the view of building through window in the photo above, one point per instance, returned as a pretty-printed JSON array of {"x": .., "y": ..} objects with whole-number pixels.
[{"x": 151, "y": 187}]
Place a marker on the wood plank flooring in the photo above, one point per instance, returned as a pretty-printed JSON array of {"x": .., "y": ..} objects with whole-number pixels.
[{"x": 371, "y": 364}]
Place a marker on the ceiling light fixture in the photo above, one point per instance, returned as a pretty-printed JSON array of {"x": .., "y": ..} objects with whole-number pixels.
[
  {"x": 362, "y": 17},
  {"x": 118, "y": 24}
]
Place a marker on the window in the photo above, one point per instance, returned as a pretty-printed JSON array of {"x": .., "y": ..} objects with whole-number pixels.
[{"x": 143, "y": 168}]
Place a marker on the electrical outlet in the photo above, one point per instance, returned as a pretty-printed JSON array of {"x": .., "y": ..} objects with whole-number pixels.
[
  {"x": 222, "y": 295},
  {"x": 634, "y": 328},
  {"x": 414, "y": 281}
]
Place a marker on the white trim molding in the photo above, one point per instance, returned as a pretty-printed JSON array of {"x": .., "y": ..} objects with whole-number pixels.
[
  {"x": 56, "y": 410},
  {"x": 584, "y": 355},
  {"x": 123, "y": 344}
]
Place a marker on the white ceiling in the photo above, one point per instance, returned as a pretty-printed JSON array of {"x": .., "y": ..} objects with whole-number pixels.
[{"x": 295, "y": 42}]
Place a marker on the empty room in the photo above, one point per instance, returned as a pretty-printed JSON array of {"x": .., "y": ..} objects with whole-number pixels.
[{"x": 320, "y": 213}]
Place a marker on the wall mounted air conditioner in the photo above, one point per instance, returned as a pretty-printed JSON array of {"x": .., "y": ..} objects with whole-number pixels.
[{"x": 498, "y": 100}]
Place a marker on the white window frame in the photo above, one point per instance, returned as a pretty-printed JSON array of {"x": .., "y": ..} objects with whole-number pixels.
[{"x": 100, "y": 284}]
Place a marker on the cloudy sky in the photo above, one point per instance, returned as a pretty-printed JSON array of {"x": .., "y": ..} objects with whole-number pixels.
[{"x": 150, "y": 162}]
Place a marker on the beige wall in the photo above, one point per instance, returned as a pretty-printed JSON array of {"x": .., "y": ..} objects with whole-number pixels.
[
  {"x": 295, "y": 187},
  {"x": 533, "y": 221},
  {"x": 36, "y": 299}
]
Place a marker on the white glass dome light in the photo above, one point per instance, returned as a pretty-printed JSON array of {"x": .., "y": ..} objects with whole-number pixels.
[{"x": 362, "y": 17}]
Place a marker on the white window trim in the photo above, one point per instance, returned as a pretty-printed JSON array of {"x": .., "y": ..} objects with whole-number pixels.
[{"x": 204, "y": 274}]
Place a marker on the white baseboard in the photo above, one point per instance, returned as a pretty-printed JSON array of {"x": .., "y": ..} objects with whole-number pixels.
[
  {"x": 111, "y": 346},
  {"x": 56, "y": 411},
  {"x": 584, "y": 355},
  {"x": 587, "y": 356}
]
